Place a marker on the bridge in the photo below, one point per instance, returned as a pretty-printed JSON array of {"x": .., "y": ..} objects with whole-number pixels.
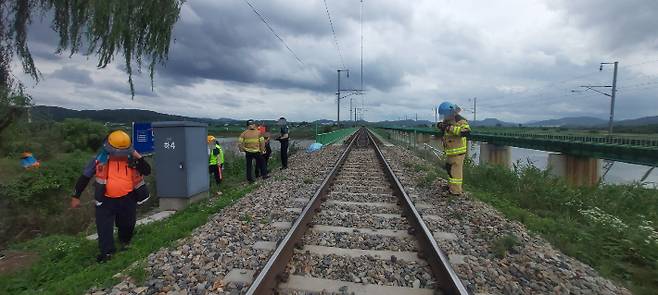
[{"x": 575, "y": 155}]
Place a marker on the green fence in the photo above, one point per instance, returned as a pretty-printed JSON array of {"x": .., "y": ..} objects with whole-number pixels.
[
  {"x": 333, "y": 136},
  {"x": 618, "y": 148}
]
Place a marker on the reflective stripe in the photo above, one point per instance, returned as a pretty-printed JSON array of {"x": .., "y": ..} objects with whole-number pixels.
[
  {"x": 139, "y": 184},
  {"x": 144, "y": 201},
  {"x": 458, "y": 150},
  {"x": 455, "y": 180},
  {"x": 101, "y": 181}
]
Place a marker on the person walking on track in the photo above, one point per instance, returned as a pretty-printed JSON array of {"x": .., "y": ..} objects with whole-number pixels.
[
  {"x": 118, "y": 171},
  {"x": 215, "y": 161},
  {"x": 455, "y": 129},
  {"x": 252, "y": 143},
  {"x": 284, "y": 139}
]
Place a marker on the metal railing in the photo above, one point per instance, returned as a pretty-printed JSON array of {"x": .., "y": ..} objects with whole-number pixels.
[
  {"x": 631, "y": 140},
  {"x": 334, "y": 136}
]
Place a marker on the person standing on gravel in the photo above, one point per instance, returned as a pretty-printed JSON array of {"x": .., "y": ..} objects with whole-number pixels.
[
  {"x": 119, "y": 173},
  {"x": 284, "y": 139},
  {"x": 455, "y": 128},
  {"x": 252, "y": 143},
  {"x": 215, "y": 161}
]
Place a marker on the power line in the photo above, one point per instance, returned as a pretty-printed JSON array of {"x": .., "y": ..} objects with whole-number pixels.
[
  {"x": 331, "y": 23},
  {"x": 361, "y": 20},
  {"x": 518, "y": 99},
  {"x": 262, "y": 18}
]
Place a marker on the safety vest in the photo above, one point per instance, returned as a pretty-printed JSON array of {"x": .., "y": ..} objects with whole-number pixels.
[
  {"x": 115, "y": 178},
  {"x": 252, "y": 141},
  {"x": 453, "y": 143},
  {"x": 217, "y": 159}
]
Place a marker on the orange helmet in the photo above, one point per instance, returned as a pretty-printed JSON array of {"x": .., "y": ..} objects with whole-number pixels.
[
  {"x": 211, "y": 138},
  {"x": 26, "y": 154},
  {"x": 119, "y": 139}
]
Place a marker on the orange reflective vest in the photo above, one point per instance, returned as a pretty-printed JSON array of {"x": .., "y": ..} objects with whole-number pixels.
[{"x": 116, "y": 179}]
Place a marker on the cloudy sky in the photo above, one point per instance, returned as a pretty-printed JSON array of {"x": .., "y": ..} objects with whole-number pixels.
[{"x": 520, "y": 58}]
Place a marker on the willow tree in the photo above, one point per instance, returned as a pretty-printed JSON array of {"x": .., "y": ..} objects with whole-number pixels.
[{"x": 138, "y": 31}]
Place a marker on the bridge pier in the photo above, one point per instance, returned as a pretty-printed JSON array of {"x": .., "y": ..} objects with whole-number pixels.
[
  {"x": 582, "y": 171},
  {"x": 495, "y": 154},
  {"x": 422, "y": 138}
]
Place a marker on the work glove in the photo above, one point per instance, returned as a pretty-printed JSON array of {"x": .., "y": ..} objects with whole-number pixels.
[
  {"x": 442, "y": 126},
  {"x": 75, "y": 202}
]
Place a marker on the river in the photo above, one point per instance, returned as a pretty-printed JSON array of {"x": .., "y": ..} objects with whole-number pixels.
[{"x": 620, "y": 173}]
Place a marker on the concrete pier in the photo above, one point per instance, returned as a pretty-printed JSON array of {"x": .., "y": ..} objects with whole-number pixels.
[
  {"x": 495, "y": 154},
  {"x": 575, "y": 170}
]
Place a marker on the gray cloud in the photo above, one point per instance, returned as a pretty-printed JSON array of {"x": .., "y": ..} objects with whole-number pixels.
[
  {"x": 521, "y": 63},
  {"x": 73, "y": 74},
  {"x": 620, "y": 25}
]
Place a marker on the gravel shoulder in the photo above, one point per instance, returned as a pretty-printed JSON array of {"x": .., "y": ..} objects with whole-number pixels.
[
  {"x": 463, "y": 226},
  {"x": 199, "y": 263},
  {"x": 528, "y": 264}
]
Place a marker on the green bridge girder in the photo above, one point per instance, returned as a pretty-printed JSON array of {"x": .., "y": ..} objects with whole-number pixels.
[{"x": 626, "y": 149}]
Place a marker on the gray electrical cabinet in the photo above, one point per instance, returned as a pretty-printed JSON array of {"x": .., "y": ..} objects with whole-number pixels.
[{"x": 181, "y": 163}]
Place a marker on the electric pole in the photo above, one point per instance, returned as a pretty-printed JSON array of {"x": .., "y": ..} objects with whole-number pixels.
[
  {"x": 338, "y": 94},
  {"x": 475, "y": 109},
  {"x": 612, "y": 94}
]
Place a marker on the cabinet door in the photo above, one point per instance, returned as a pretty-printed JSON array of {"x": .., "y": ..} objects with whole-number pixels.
[{"x": 170, "y": 164}]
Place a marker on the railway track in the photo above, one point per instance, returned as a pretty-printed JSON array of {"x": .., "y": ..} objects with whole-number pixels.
[{"x": 330, "y": 247}]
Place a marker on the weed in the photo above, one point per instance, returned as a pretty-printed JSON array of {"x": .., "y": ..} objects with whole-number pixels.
[
  {"x": 504, "y": 245},
  {"x": 137, "y": 271},
  {"x": 246, "y": 218},
  {"x": 308, "y": 180}
]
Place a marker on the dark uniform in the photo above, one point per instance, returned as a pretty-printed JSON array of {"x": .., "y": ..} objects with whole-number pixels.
[{"x": 284, "y": 140}]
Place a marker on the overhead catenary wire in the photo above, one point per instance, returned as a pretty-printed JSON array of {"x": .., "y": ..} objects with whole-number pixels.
[
  {"x": 535, "y": 93},
  {"x": 264, "y": 20},
  {"x": 333, "y": 31}
]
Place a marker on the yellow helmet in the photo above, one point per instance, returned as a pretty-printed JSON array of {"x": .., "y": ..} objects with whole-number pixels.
[
  {"x": 211, "y": 138},
  {"x": 119, "y": 139}
]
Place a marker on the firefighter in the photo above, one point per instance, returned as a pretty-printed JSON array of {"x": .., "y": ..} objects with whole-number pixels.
[
  {"x": 268, "y": 152},
  {"x": 118, "y": 171},
  {"x": 455, "y": 128},
  {"x": 252, "y": 143},
  {"x": 215, "y": 161}
]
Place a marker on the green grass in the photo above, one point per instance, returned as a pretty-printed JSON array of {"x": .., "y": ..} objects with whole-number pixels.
[
  {"x": 67, "y": 262},
  {"x": 611, "y": 227}
]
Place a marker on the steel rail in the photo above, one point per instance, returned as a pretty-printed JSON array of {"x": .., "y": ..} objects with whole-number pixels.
[
  {"x": 273, "y": 272},
  {"x": 447, "y": 278}
]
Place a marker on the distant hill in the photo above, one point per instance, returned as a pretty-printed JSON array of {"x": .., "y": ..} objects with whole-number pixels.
[
  {"x": 638, "y": 122},
  {"x": 406, "y": 123},
  {"x": 115, "y": 116},
  {"x": 569, "y": 122},
  {"x": 492, "y": 122}
]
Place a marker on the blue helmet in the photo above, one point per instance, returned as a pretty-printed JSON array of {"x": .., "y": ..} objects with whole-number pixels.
[{"x": 448, "y": 108}]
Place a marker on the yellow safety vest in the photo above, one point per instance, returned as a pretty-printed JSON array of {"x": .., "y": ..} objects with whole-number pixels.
[
  {"x": 252, "y": 141},
  {"x": 453, "y": 143}
]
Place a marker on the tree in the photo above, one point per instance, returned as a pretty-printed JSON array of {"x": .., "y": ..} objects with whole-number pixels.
[{"x": 140, "y": 31}]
